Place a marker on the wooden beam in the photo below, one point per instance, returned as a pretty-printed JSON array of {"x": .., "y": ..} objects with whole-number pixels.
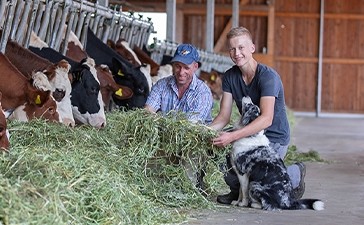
[
  {"x": 219, "y": 45},
  {"x": 194, "y": 8},
  {"x": 270, "y": 38},
  {"x": 326, "y": 60}
]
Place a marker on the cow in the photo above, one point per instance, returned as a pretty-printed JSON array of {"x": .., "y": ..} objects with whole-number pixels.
[
  {"x": 124, "y": 72},
  {"x": 18, "y": 91},
  {"x": 146, "y": 59},
  {"x": 57, "y": 75},
  {"x": 214, "y": 81},
  {"x": 4, "y": 133},
  {"x": 86, "y": 100},
  {"x": 108, "y": 87},
  {"x": 122, "y": 48}
]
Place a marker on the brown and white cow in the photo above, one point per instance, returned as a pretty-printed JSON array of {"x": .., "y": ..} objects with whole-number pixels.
[
  {"x": 4, "y": 133},
  {"x": 56, "y": 73},
  {"x": 214, "y": 81},
  {"x": 17, "y": 90},
  {"x": 124, "y": 73},
  {"x": 86, "y": 99},
  {"x": 123, "y": 48},
  {"x": 108, "y": 87}
]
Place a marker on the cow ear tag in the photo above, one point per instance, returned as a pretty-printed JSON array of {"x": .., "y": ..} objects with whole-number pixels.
[
  {"x": 120, "y": 73},
  {"x": 213, "y": 78},
  {"x": 37, "y": 100},
  {"x": 119, "y": 92}
]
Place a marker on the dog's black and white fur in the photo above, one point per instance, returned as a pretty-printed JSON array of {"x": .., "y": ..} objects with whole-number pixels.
[{"x": 263, "y": 177}]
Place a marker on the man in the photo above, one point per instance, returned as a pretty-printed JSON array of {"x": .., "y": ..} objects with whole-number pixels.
[
  {"x": 264, "y": 86},
  {"x": 184, "y": 92}
]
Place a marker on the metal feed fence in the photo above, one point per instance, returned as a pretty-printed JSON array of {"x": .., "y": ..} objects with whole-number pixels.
[{"x": 48, "y": 19}]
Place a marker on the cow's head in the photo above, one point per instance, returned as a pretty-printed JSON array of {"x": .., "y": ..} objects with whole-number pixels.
[
  {"x": 125, "y": 74},
  {"x": 109, "y": 88},
  {"x": 85, "y": 96},
  {"x": 61, "y": 90},
  {"x": 39, "y": 104},
  {"x": 214, "y": 82}
]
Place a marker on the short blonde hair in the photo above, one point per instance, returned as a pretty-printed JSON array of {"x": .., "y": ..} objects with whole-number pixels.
[{"x": 238, "y": 31}]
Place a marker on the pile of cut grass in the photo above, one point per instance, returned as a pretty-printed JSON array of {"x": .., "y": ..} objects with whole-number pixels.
[
  {"x": 126, "y": 173},
  {"x": 117, "y": 175}
]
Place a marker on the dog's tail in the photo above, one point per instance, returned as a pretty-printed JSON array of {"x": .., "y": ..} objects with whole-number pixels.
[{"x": 315, "y": 204}]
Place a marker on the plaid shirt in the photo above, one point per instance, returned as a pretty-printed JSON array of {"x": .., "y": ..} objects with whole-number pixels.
[{"x": 196, "y": 102}]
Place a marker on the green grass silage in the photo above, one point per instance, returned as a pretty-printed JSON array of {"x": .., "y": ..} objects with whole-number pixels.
[{"x": 118, "y": 175}]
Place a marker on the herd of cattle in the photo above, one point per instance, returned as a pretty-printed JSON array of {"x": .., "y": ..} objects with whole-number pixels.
[{"x": 79, "y": 87}]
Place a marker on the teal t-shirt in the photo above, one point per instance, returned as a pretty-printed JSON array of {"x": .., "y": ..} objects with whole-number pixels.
[{"x": 266, "y": 82}]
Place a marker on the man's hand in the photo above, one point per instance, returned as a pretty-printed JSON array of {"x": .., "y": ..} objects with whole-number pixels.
[{"x": 223, "y": 139}]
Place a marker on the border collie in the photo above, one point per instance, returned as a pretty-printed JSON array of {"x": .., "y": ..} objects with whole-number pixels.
[{"x": 264, "y": 182}]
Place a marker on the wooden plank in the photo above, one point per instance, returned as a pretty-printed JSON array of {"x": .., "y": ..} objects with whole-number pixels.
[
  {"x": 220, "y": 43},
  {"x": 271, "y": 21},
  {"x": 196, "y": 8},
  {"x": 317, "y": 16},
  {"x": 326, "y": 60}
]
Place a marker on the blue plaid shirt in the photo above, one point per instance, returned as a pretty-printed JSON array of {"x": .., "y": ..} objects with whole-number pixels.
[{"x": 196, "y": 102}]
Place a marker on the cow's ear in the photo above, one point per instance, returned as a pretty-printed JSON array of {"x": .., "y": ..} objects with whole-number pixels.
[{"x": 37, "y": 97}]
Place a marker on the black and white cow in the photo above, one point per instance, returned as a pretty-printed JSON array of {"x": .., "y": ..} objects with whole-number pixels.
[
  {"x": 87, "y": 104},
  {"x": 124, "y": 72}
]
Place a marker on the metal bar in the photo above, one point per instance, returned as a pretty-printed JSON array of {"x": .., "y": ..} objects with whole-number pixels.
[
  {"x": 19, "y": 36},
  {"x": 171, "y": 20},
  {"x": 210, "y": 10},
  {"x": 3, "y": 4},
  {"x": 319, "y": 72},
  {"x": 31, "y": 23},
  {"x": 60, "y": 30},
  {"x": 45, "y": 20},
  {"x": 54, "y": 25},
  {"x": 16, "y": 19},
  {"x": 7, "y": 26},
  {"x": 38, "y": 17}
]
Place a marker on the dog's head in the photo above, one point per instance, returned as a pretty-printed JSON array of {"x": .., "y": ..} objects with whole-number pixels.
[{"x": 249, "y": 112}]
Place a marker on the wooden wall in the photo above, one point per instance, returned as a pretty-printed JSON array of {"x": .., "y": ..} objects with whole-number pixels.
[
  {"x": 292, "y": 38},
  {"x": 297, "y": 32}
]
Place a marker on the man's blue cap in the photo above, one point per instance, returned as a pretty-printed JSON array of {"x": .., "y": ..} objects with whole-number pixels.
[{"x": 186, "y": 54}]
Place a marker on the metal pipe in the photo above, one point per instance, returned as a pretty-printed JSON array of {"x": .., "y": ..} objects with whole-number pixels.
[
  {"x": 8, "y": 22},
  {"x": 31, "y": 23},
  {"x": 319, "y": 72},
  {"x": 19, "y": 34}
]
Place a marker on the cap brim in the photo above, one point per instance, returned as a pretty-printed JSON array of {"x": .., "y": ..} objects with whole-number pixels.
[{"x": 183, "y": 60}]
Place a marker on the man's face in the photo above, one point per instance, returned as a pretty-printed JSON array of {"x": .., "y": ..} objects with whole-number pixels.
[
  {"x": 184, "y": 73},
  {"x": 241, "y": 49}
]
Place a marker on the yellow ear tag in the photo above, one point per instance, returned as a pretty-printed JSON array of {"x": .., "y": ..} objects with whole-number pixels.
[
  {"x": 119, "y": 92},
  {"x": 213, "y": 77},
  {"x": 120, "y": 73},
  {"x": 37, "y": 100}
]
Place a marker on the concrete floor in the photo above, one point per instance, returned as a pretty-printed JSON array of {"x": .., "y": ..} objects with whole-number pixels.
[{"x": 340, "y": 183}]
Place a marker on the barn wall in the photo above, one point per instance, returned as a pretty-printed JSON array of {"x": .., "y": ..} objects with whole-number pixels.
[
  {"x": 297, "y": 49},
  {"x": 294, "y": 51}
]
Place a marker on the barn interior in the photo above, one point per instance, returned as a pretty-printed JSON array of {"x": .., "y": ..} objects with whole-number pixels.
[{"x": 316, "y": 46}]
